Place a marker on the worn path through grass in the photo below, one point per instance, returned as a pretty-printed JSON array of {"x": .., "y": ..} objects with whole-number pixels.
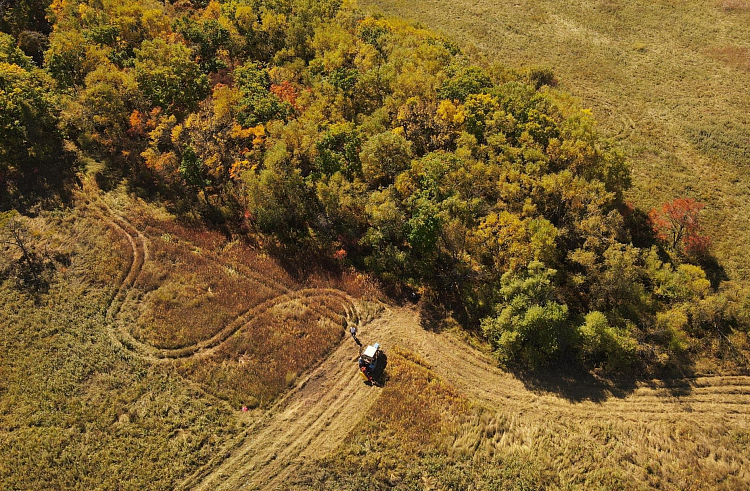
[{"x": 316, "y": 416}]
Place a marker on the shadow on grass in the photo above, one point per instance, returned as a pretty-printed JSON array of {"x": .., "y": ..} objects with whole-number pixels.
[
  {"x": 34, "y": 274},
  {"x": 714, "y": 271},
  {"x": 577, "y": 384}
]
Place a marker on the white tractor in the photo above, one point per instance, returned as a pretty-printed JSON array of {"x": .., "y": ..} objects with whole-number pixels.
[{"x": 372, "y": 362}]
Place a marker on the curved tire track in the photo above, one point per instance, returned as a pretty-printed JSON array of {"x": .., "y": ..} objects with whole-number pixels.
[
  {"x": 139, "y": 248},
  {"x": 714, "y": 398},
  {"x": 308, "y": 422}
]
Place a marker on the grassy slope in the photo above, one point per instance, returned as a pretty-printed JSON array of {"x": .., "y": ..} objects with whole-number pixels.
[{"x": 667, "y": 78}]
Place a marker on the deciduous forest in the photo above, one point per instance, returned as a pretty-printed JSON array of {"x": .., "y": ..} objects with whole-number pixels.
[{"x": 480, "y": 192}]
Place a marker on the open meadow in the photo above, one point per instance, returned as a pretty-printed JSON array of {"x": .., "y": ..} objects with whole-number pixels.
[{"x": 669, "y": 80}]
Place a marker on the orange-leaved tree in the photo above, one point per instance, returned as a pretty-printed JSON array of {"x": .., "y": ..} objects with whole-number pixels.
[{"x": 677, "y": 224}]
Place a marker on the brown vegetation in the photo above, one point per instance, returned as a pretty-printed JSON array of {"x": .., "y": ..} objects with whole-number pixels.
[
  {"x": 265, "y": 358},
  {"x": 734, "y": 56},
  {"x": 734, "y": 5}
]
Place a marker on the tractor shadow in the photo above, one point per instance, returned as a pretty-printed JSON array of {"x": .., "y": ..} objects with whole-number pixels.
[{"x": 379, "y": 375}]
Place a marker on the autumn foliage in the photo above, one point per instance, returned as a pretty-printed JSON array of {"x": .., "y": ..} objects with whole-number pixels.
[
  {"x": 677, "y": 224},
  {"x": 286, "y": 92},
  {"x": 375, "y": 144}
]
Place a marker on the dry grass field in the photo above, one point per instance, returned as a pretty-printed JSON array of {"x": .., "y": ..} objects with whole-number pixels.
[
  {"x": 669, "y": 79},
  {"x": 447, "y": 419},
  {"x": 131, "y": 364},
  {"x": 78, "y": 411}
]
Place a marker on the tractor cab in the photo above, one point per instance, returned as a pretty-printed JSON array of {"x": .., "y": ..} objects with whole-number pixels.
[{"x": 372, "y": 363}]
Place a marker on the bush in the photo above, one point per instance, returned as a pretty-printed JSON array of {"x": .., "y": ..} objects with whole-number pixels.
[
  {"x": 384, "y": 156},
  {"x": 465, "y": 81},
  {"x": 164, "y": 71},
  {"x": 530, "y": 328},
  {"x": 612, "y": 348},
  {"x": 257, "y": 103}
]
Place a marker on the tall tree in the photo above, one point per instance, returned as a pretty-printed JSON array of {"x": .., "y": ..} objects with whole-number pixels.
[{"x": 168, "y": 76}]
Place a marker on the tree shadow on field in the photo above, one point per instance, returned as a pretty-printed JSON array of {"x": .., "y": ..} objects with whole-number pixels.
[
  {"x": 577, "y": 384},
  {"x": 714, "y": 271},
  {"x": 574, "y": 384},
  {"x": 32, "y": 275}
]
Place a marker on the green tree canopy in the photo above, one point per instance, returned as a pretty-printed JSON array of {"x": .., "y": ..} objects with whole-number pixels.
[{"x": 168, "y": 75}]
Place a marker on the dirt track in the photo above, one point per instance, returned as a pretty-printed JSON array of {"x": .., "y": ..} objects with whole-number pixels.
[{"x": 319, "y": 412}]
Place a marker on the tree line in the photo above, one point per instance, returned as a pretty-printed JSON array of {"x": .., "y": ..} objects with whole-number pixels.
[{"x": 376, "y": 143}]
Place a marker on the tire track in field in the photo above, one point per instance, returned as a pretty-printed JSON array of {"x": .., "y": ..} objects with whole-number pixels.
[
  {"x": 139, "y": 255},
  {"x": 704, "y": 398},
  {"x": 309, "y": 422}
]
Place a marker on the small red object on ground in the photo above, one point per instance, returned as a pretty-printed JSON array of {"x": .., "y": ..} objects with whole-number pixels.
[{"x": 244, "y": 409}]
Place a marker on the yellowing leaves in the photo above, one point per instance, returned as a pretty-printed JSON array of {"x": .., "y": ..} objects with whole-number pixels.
[
  {"x": 176, "y": 133},
  {"x": 236, "y": 170},
  {"x": 212, "y": 11},
  {"x": 245, "y": 17},
  {"x": 451, "y": 113},
  {"x": 257, "y": 133}
]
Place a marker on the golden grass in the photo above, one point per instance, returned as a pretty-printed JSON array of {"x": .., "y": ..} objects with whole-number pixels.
[
  {"x": 650, "y": 72},
  {"x": 77, "y": 411},
  {"x": 423, "y": 434},
  {"x": 267, "y": 355}
]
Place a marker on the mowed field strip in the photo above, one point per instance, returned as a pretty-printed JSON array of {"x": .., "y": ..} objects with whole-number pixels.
[{"x": 315, "y": 415}]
